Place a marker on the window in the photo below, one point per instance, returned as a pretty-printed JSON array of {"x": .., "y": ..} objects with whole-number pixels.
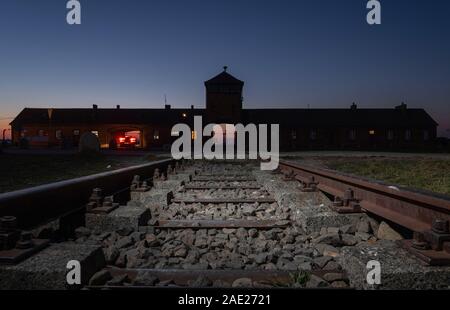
[
  {"x": 408, "y": 135},
  {"x": 371, "y": 132},
  {"x": 95, "y": 132},
  {"x": 352, "y": 135},
  {"x": 156, "y": 135},
  {"x": 313, "y": 134},
  {"x": 294, "y": 134},
  {"x": 76, "y": 132},
  {"x": 58, "y": 134},
  {"x": 193, "y": 135},
  {"x": 426, "y": 135},
  {"x": 390, "y": 135},
  {"x": 23, "y": 133},
  {"x": 41, "y": 132}
]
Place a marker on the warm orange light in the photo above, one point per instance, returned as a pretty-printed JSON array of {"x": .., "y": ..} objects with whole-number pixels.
[
  {"x": 133, "y": 140},
  {"x": 122, "y": 139}
]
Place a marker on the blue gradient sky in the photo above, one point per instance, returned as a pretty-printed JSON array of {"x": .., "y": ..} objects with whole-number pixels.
[{"x": 319, "y": 53}]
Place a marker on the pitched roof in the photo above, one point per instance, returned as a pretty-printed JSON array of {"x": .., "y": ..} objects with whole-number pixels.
[
  {"x": 104, "y": 116},
  {"x": 387, "y": 118},
  {"x": 224, "y": 78}
]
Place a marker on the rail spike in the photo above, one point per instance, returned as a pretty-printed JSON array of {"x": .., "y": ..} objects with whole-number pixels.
[
  {"x": 431, "y": 246},
  {"x": 289, "y": 175},
  {"x": 156, "y": 175},
  {"x": 346, "y": 204},
  {"x": 170, "y": 170},
  {"x": 17, "y": 245},
  {"x": 95, "y": 200},
  {"x": 137, "y": 186},
  {"x": 310, "y": 186}
]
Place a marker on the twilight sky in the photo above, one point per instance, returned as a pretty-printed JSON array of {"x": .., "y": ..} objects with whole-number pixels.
[{"x": 320, "y": 53}]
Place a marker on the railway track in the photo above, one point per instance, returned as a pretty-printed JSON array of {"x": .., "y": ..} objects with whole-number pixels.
[{"x": 219, "y": 224}]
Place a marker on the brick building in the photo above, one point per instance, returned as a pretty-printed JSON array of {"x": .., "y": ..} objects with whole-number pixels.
[{"x": 349, "y": 128}]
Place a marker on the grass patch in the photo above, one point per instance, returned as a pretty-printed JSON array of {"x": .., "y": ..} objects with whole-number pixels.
[
  {"x": 22, "y": 171},
  {"x": 428, "y": 174}
]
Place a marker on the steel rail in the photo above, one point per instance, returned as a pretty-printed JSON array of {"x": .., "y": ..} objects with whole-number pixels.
[
  {"x": 411, "y": 209},
  {"x": 36, "y": 205}
]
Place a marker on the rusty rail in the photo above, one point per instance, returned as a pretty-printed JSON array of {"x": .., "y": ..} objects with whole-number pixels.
[
  {"x": 425, "y": 214},
  {"x": 411, "y": 209},
  {"x": 37, "y": 205}
]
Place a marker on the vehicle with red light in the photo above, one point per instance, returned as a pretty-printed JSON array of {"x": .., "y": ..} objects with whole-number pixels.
[{"x": 126, "y": 141}]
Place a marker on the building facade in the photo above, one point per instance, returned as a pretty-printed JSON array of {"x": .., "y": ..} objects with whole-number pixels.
[{"x": 399, "y": 128}]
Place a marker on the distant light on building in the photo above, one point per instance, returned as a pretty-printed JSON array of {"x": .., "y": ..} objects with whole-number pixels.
[{"x": 371, "y": 132}]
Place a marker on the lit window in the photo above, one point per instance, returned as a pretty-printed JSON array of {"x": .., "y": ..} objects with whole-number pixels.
[
  {"x": 408, "y": 135},
  {"x": 313, "y": 135},
  {"x": 426, "y": 135},
  {"x": 76, "y": 132},
  {"x": 390, "y": 135},
  {"x": 371, "y": 132},
  {"x": 95, "y": 132},
  {"x": 294, "y": 134},
  {"x": 194, "y": 135},
  {"x": 58, "y": 134},
  {"x": 156, "y": 135},
  {"x": 352, "y": 134}
]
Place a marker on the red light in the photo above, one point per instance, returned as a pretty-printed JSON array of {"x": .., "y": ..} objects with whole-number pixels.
[
  {"x": 121, "y": 139},
  {"x": 133, "y": 139}
]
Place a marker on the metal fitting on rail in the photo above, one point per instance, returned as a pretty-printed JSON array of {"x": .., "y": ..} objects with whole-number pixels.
[
  {"x": 95, "y": 200},
  {"x": 99, "y": 204},
  {"x": 346, "y": 204},
  {"x": 9, "y": 234},
  {"x": 158, "y": 176},
  {"x": 16, "y": 245},
  {"x": 170, "y": 170},
  {"x": 25, "y": 241},
  {"x": 137, "y": 186},
  {"x": 431, "y": 246},
  {"x": 310, "y": 186},
  {"x": 289, "y": 175}
]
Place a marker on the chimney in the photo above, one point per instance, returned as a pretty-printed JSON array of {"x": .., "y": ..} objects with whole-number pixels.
[
  {"x": 192, "y": 107},
  {"x": 95, "y": 107},
  {"x": 403, "y": 106},
  {"x": 353, "y": 106},
  {"x": 167, "y": 106},
  {"x": 118, "y": 107}
]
